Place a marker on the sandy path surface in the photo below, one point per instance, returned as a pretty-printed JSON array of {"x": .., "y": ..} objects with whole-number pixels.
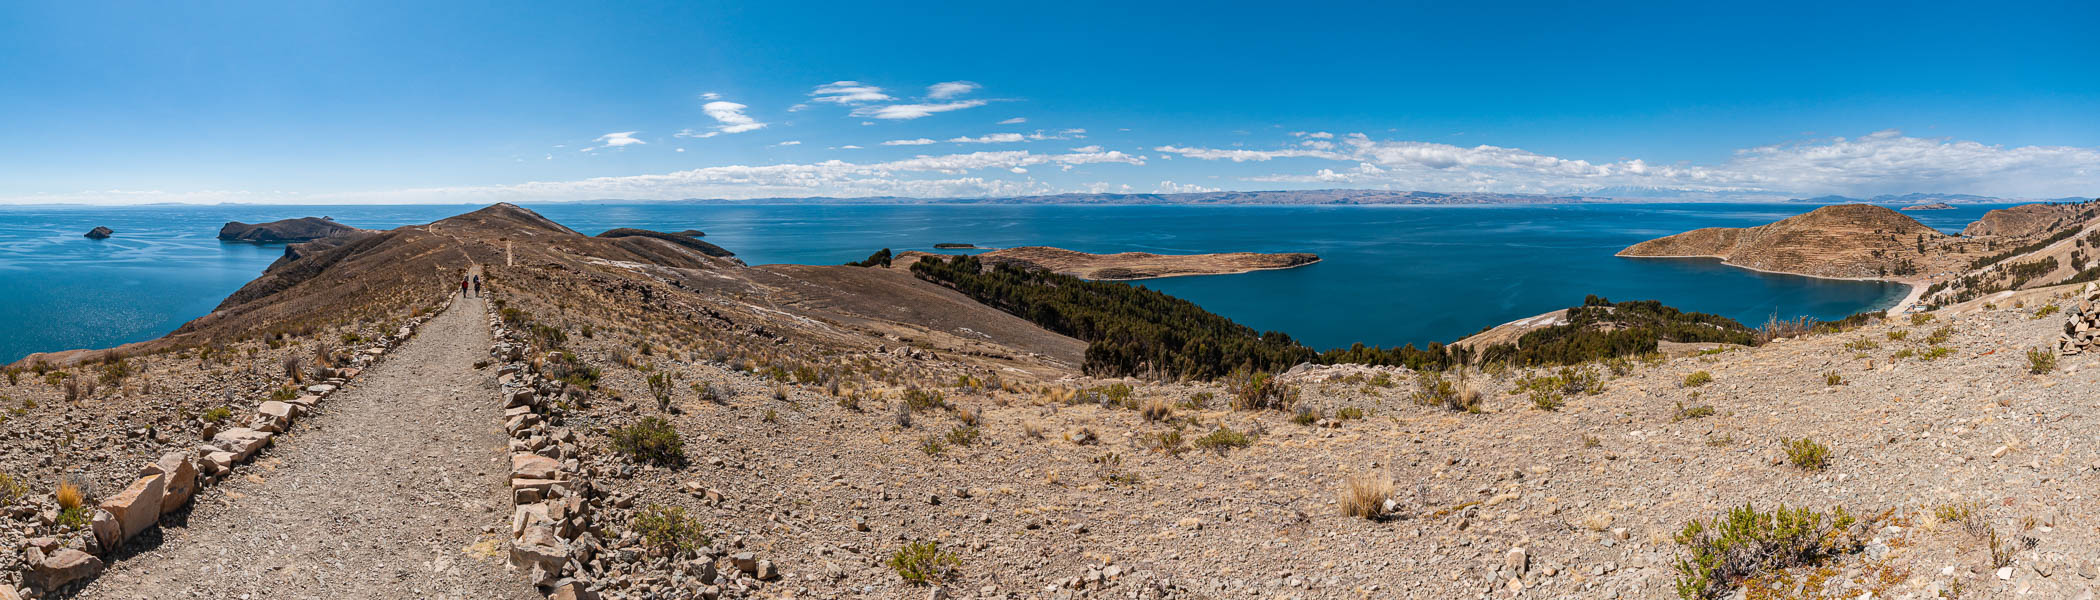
[{"x": 394, "y": 488}]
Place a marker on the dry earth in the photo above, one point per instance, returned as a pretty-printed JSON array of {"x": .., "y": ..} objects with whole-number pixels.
[{"x": 395, "y": 489}]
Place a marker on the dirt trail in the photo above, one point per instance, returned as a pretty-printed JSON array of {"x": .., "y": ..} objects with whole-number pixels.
[{"x": 394, "y": 488}]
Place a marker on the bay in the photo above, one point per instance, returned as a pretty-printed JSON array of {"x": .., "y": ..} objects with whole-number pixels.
[{"x": 1389, "y": 275}]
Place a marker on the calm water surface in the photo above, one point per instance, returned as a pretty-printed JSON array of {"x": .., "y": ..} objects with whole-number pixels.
[{"x": 1389, "y": 274}]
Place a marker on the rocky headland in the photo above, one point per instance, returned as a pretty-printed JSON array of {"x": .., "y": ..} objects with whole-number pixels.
[
  {"x": 1125, "y": 266},
  {"x": 303, "y": 229},
  {"x": 98, "y": 233},
  {"x": 1842, "y": 241}
]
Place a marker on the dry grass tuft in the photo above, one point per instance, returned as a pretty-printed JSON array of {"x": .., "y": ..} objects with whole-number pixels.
[{"x": 1365, "y": 495}]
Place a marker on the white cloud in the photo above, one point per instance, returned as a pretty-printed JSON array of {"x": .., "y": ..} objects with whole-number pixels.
[
  {"x": 732, "y": 117},
  {"x": 1014, "y": 121},
  {"x": 848, "y": 92},
  {"x": 615, "y": 140},
  {"x": 710, "y": 96},
  {"x": 913, "y": 111},
  {"x": 915, "y": 142},
  {"x": 1248, "y": 155},
  {"x": 1318, "y": 135},
  {"x": 849, "y": 147},
  {"x": 1882, "y": 162},
  {"x": 789, "y": 143},
  {"x": 995, "y": 138},
  {"x": 950, "y": 89},
  {"x": 1087, "y": 149},
  {"x": 1169, "y": 187}
]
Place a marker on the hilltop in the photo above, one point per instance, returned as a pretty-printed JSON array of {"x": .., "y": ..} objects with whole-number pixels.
[{"x": 1848, "y": 240}]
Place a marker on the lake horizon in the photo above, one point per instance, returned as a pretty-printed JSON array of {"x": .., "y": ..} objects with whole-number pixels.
[{"x": 1389, "y": 275}]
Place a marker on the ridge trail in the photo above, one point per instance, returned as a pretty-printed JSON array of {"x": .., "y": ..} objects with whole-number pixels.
[{"x": 394, "y": 487}]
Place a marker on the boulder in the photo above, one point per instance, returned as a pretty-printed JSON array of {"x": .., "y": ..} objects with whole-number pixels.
[
  {"x": 274, "y": 416},
  {"x": 137, "y": 508},
  {"x": 65, "y": 566},
  {"x": 528, "y": 491},
  {"x": 567, "y": 589},
  {"x": 305, "y": 403},
  {"x": 181, "y": 474},
  {"x": 109, "y": 532},
  {"x": 241, "y": 441},
  {"x": 98, "y": 233},
  {"x": 534, "y": 466},
  {"x": 540, "y": 552},
  {"x": 218, "y": 462}
]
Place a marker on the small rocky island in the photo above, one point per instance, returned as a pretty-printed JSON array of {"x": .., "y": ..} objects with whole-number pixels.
[
  {"x": 1126, "y": 266},
  {"x": 955, "y": 246},
  {"x": 1932, "y": 206},
  {"x": 98, "y": 233},
  {"x": 304, "y": 229}
]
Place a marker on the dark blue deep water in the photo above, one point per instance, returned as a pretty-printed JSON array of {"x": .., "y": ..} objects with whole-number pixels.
[{"x": 1389, "y": 274}]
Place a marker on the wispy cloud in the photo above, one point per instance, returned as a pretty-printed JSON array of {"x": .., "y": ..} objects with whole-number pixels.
[
  {"x": 950, "y": 89},
  {"x": 912, "y": 142},
  {"x": 615, "y": 140},
  {"x": 848, "y": 92},
  {"x": 913, "y": 111},
  {"x": 1014, "y": 121},
  {"x": 1169, "y": 187},
  {"x": 994, "y": 138},
  {"x": 788, "y": 143}
]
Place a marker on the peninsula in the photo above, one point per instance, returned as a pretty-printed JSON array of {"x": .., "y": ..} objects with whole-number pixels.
[
  {"x": 303, "y": 229},
  {"x": 1125, "y": 266}
]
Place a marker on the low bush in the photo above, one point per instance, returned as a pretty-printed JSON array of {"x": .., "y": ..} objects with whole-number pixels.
[
  {"x": 1807, "y": 454},
  {"x": 652, "y": 440},
  {"x": 1224, "y": 438},
  {"x": 2040, "y": 360},
  {"x": 923, "y": 563},
  {"x": 1684, "y": 413},
  {"x": 1698, "y": 378},
  {"x": 667, "y": 531},
  {"x": 1745, "y": 543}
]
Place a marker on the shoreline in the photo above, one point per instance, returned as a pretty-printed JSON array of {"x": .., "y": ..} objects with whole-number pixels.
[
  {"x": 1917, "y": 286},
  {"x": 1239, "y": 272}
]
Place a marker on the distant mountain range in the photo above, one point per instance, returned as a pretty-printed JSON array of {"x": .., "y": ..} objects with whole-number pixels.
[
  {"x": 1924, "y": 198},
  {"x": 1388, "y": 197},
  {"x": 1287, "y": 197}
]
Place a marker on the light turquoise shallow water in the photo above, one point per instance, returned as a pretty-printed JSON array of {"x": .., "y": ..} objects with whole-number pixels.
[{"x": 1389, "y": 274}]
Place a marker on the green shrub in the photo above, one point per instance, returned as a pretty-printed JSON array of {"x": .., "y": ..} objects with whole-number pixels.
[
  {"x": 1224, "y": 438},
  {"x": 1899, "y": 335},
  {"x": 660, "y": 388},
  {"x": 932, "y": 446},
  {"x": 1348, "y": 413},
  {"x": 1746, "y": 543},
  {"x": 2046, "y": 310},
  {"x": 1432, "y": 389},
  {"x": 923, "y": 400},
  {"x": 1940, "y": 335},
  {"x": 1547, "y": 399},
  {"x": 1921, "y": 318},
  {"x": 12, "y": 490},
  {"x": 652, "y": 440},
  {"x": 1698, "y": 378},
  {"x": 1305, "y": 416},
  {"x": 1936, "y": 353},
  {"x": 217, "y": 414},
  {"x": 1807, "y": 454},
  {"x": 923, "y": 563},
  {"x": 963, "y": 435},
  {"x": 1691, "y": 412},
  {"x": 2040, "y": 360},
  {"x": 1832, "y": 378},
  {"x": 666, "y": 530},
  {"x": 1258, "y": 390}
]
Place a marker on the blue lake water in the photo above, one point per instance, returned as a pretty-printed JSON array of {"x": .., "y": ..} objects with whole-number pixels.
[{"x": 1389, "y": 274}]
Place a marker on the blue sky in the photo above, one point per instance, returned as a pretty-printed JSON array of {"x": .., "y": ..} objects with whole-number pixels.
[{"x": 443, "y": 102}]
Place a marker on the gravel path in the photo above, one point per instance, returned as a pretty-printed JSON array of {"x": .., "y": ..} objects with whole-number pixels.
[{"x": 394, "y": 489}]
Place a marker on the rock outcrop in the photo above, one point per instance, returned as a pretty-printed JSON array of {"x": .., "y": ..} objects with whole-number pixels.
[
  {"x": 2030, "y": 219},
  {"x": 1848, "y": 240},
  {"x": 2082, "y": 330},
  {"x": 98, "y": 233},
  {"x": 681, "y": 239},
  {"x": 289, "y": 230}
]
